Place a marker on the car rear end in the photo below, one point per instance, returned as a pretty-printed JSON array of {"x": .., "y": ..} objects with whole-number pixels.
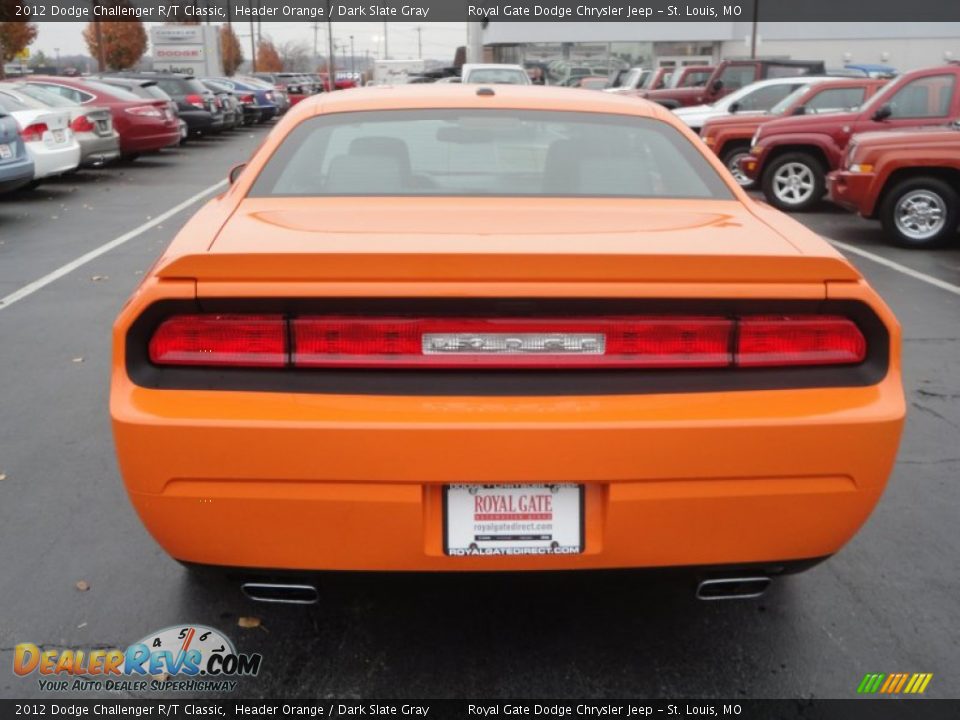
[
  {"x": 145, "y": 126},
  {"x": 49, "y": 141},
  {"x": 16, "y": 167},
  {"x": 471, "y": 383}
]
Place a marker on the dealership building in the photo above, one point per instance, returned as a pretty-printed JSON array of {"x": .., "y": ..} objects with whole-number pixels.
[{"x": 610, "y": 45}]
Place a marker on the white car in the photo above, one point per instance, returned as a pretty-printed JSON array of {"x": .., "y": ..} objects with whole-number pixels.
[
  {"x": 758, "y": 97},
  {"x": 494, "y": 74},
  {"x": 47, "y": 135}
]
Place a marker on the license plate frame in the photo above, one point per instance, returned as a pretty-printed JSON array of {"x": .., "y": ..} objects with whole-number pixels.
[
  {"x": 6, "y": 152},
  {"x": 556, "y": 535},
  {"x": 59, "y": 137}
]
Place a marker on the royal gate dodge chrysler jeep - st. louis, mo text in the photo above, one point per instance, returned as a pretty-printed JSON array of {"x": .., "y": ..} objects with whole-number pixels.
[{"x": 514, "y": 328}]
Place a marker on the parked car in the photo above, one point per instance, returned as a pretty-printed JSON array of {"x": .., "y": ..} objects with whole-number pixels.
[
  {"x": 259, "y": 101},
  {"x": 731, "y": 75},
  {"x": 144, "y": 125},
  {"x": 92, "y": 126},
  {"x": 729, "y": 136},
  {"x": 150, "y": 90},
  {"x": 866, "y": 70},
  {"x": 494, "y": 74},
  {"x": 196, "y": 105},
  {"x": 657, "y": 80},
  {"x": 16, "y": 166},
  {"x": 591, "y": 82},
  {"x": 907, "y": 179},
  {"x": 755, "y": 98},
  {"x": 428, "y": 394},
  {"x": 296, "y": 85},
  {"x": 791, "y": 156},
  {"x": 280, "y": 97},
  {"x": 244, "y": 102},
  {"x": 626, "y": 81},
  {"x": 47, "y": 136},
  {"x": 227, "y": 102},
  {"x": 691, "y": 76}
]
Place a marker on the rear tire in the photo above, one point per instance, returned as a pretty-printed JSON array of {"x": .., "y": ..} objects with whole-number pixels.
[
  {"x": 922, "y": 212},
  {"x": 794, "y": 182},
  {"x": 730, "y": 159}
]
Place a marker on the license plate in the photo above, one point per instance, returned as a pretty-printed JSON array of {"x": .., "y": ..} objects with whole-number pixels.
[
  {"x": 5, "y": 152},
  {"x": 58, "y": 136},
  {"x": 513, "y": 519}
]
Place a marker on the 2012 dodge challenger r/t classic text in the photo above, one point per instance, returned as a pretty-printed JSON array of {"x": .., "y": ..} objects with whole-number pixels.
[{"x": 501, "y": 328}]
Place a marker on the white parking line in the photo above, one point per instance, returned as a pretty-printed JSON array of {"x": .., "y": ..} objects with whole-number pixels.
[
  {"x": 916, "y": 274},
  {"x": 60, "y": 272}
]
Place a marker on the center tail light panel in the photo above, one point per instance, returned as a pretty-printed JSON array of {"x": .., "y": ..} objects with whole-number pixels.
[{"x": 513, "y": 347}]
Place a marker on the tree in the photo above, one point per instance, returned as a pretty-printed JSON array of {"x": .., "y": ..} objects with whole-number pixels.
[
  {"x": 124, "y": 43},
  {"x": 230, "y": 50},
  {"x": 295, "y": 55},
  {"x": 268, "y": 59},
  {"x": 15, "y": 35}
]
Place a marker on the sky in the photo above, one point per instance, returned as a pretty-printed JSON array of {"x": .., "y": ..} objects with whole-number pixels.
[{"x": 440, "y": 39}]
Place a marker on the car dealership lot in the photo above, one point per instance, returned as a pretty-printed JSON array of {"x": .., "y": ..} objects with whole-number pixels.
[{"x": 884, "y": 604}]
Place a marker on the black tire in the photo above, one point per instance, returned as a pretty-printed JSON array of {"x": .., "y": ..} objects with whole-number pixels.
[
  {"x": 806, "y": 197},
  {"x": 933, "y": 194},
  {"x": 728, "y": 157}
]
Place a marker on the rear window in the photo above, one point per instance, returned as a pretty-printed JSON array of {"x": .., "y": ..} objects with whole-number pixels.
[
  {"x": 514, "y": 153},
  {"x": 45, "y": 96},
  {"x": 180, "y": 86},
  {"x": 497, "y": 76},
  {"x": 110, "y": 90}
]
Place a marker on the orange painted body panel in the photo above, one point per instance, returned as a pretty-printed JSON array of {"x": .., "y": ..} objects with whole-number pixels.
[{"x": 344, "y": 481}]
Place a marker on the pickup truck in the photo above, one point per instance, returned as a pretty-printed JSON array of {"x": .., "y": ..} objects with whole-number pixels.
[
  {"x": 731, "y": 75},
  {"x": 908, "y": 179},
  {"x": 729, "y": 135},
  {"x": 791, "y": 156}
]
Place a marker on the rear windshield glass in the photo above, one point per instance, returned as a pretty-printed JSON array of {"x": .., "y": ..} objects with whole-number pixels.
[
  {"x": 488, "y": 153},
  {"x": 45, "y": 96},
  {"x": 111, "y": 90}
]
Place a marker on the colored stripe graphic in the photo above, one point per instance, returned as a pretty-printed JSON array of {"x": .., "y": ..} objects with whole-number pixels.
[{"x": 894, "y": 683}]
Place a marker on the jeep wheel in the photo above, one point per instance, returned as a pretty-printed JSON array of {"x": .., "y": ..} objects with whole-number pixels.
[
  {"x": 921, "y": 213},
  {"x": 731, "y": 158},
  {"x": 794, "y": 182}
]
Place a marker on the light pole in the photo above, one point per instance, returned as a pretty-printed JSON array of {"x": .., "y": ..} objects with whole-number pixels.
[
  {"x": 753, "y": 31},
  {"x": 353, "y": 61},
  {"x": 386, "y": 51},
  {"x": 331, "y": 74}
]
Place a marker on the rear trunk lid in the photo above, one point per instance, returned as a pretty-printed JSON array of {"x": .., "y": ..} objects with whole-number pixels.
[{"x": 502, "y": 240}]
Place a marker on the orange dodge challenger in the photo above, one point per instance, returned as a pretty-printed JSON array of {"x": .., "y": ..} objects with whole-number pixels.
[{"x": 501, "y": 328}]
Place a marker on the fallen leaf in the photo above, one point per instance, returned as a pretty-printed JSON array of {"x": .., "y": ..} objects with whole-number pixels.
[
  {"x": 77, "y": 360},
  {"x": 138, "y": 272},
  {"x": 98, "y": 278},
  {"x": 81, "y": 626},
  {"x": 248, "y": 622},
  {"x": 82, "y": 585},
  {"x": 3, "y": 476}
]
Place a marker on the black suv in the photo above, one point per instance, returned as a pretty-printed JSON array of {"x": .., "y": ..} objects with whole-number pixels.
[{"x": 196, "y": 104}]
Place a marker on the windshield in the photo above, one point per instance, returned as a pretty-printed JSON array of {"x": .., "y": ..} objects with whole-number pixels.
[
  {"x": 875, "y": 100},
  {"x": 645, "y": 80},
  {"x": 497, "y": 76},
  {"x": 475, "y": 153},
  {"x": 781, "y": 107},
  {"x": 629, "y": 79}
]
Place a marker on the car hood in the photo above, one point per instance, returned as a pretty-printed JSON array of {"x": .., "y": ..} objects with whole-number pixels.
[
  {"x": 808, "y": 123},
  {"x": 747, "y": 121},
  {"x": 503, "y": 239}
]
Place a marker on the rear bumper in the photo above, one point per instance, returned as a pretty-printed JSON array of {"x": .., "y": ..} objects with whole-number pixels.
[
  {"x": 852, "y": 191},
  {"x": 325, "y": 482},
  {"x": 49, "y": 162},
  {"x": 15, "y": 174},
  {"x": 96, "y": 150}
]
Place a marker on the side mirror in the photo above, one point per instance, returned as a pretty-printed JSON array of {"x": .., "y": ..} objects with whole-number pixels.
[
  {"x": 235, "y": 172},
  {"x": 802, "y": 110},
  {"x": 717, "y": 86},
  {"x": 734, "y": 108},
  {"x": 882, "y": 113}
]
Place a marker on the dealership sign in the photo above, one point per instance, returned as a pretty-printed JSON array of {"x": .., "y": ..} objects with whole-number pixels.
[{"x": 190, "y": 49}]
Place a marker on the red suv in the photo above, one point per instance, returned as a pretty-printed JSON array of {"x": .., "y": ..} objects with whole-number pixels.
[
  {"x": 144, "y": 125},
  {"x": 793, "y": 155}
]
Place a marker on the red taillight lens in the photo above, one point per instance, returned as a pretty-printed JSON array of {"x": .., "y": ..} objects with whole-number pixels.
[
  {"x": 224, "y": 340},
  {"x": 195, "y": 100},
  {"x": 34, "y": 133},
  {"x": 507, "y": 342},
  {"x": 82, "y": 124},
  {"x": 247, "y": 99},
  {"x": 765, "y": 340},
  {"x": 145, "y": 111},
  {"x": 634, "y": 341}
]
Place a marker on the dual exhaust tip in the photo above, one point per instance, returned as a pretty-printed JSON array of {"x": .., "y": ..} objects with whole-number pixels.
[{"x": 733, "y": 588}]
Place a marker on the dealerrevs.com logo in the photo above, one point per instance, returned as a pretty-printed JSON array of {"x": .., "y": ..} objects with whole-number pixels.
[{"x": 187, "y": 658}]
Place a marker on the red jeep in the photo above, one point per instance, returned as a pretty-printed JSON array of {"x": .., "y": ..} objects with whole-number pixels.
[
  {"x": 792, "y": 156},
  {"x": 732, "y": 75},
  {"x": 909, "y": 179}
]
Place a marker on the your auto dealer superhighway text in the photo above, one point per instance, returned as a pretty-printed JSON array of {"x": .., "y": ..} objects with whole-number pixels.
[{"x": 559, "y": 710}]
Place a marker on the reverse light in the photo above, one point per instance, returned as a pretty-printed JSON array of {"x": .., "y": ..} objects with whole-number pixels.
[
  {"x": 629, "y": 341},
  {"x": 145, "y": 111},
  {"x": 34, "y": 132},
  {"x": 82, "y": 124}
]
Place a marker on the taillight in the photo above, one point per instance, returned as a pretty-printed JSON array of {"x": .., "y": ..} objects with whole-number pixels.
[
  {"x": 145, "y": 111},
  {"x": 82, "y": 124},
  {"x": 223, "y": 340},
  {"x": 195, "y": 100},
  {"x": 633, "y": 341},
  {"x": 247, "y": 99},
  {"x": 765, "y": 340},
  {"x": 34, "y": 132}
]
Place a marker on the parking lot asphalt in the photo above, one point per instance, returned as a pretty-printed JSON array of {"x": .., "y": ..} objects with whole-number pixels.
[{"x": 887, "y": 603}]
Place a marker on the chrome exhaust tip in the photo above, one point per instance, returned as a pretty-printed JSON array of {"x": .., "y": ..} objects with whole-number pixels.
[
  {"x": 737, "y": 588},
  {"x": 286, "y": 593}
]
